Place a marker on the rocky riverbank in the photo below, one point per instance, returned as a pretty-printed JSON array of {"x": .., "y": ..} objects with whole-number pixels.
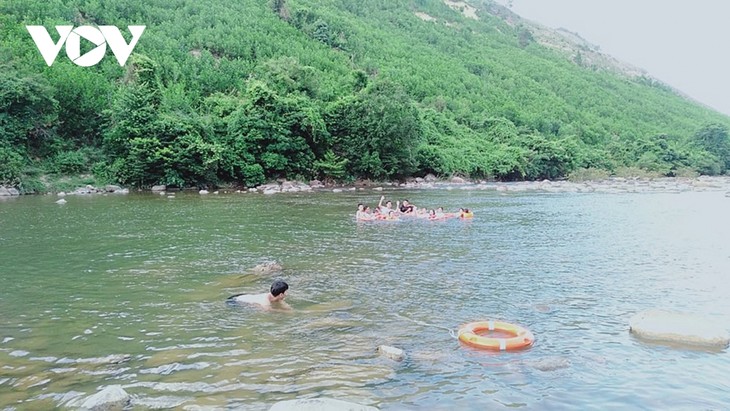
[{"x": 608, "y": 185}]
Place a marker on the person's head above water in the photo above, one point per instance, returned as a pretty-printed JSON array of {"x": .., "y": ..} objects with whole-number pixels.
[{"x": 278, "y": 290}]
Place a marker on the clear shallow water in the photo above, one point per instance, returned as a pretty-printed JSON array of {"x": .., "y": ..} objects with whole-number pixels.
[{"x": 146, "y": 276}]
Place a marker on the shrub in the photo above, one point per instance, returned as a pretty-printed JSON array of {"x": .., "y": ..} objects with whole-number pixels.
[
  {"x": 69, "y": 162},
  {"x": 11, "y": 165}
]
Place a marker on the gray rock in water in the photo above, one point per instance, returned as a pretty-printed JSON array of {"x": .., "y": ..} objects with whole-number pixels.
[
  {"x": 395, "y": 354},
  {"x": 159, "y": 188},
  {"x": 61, "y": 201},
  {"x": 112, "y": 397},
  {"x": 319, "y": 404},
  {"x": 85, "y": 190},
  {"x": 549, "y": 364},
  {"x": 267, "y": 267},
  {"x": 678, "y": 328},
  {"x": 4, "y": 191}
]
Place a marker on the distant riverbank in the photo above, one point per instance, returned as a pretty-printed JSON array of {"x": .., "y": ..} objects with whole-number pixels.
[{"x": 608, "y": 185}]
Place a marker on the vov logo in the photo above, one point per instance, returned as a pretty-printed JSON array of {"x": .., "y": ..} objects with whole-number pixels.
[{"x": 100, "y": 36}]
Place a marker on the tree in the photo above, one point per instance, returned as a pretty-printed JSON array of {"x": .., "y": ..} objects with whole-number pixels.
[
  {"x": 378, "y": 130},
  {"x": 28, "y": 112},
  {"x": 280, "y": 133},
  {"x": 714, "y": 139}
]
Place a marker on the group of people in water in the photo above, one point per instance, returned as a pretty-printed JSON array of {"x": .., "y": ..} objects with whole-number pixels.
[
  {"x": 404, "y": 209},
  {"x": 274, "y": 299}
]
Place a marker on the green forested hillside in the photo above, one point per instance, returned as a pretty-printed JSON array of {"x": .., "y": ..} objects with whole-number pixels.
[{"x": 240, "y": 92}]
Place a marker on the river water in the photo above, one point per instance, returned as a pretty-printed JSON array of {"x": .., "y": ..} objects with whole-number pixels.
[{"x": 131, "y": 290}]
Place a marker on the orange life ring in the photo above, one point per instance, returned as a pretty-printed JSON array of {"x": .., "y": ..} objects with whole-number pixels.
[{"x": 520, "y": 338}]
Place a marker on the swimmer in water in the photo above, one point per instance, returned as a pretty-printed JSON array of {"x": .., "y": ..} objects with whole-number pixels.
[{"x": 274, "y": 299}]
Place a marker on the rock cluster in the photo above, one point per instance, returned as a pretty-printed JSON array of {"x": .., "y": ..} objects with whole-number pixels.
[{"x": 89, "y": 189}]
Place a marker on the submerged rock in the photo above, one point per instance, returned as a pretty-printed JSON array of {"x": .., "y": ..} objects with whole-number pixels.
[
  {"x": 319, "y": 404},
  {"x": 549, "y": 364},
  {"x": 395, "y": 354},
  {"x": 112, "y": 397},
  {"x": 267, "y": 267},
  {"x": 679, "y": 328}
]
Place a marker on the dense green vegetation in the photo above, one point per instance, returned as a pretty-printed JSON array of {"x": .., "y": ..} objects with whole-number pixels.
[{"x": 240, "y": 92}]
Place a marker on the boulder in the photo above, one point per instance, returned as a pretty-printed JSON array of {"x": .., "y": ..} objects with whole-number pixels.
[
  {"x": 203, "y": 192},
  {"x": 395, "y": 354},
  {"x": 458, "y": 180},
  {"x": 430, "y": 178},
  {"x": 4, "y": 191},
  {"x": 13, "y": 191},
  {"x": 159, "y": 188},
  {"x": 81, "y": 191},
  {"x": 112, "y": 397},
  {"x": 288, "y": 185},
  {"x": 678, "y": 328},
  {"x": 316, "y": 184},
  {"x": 319, "y": 404},
  {"x": 61, "y": 201},
  {"x": 267, "y": 267},
  {"x": 271, "y": 187},
  {"x": 111, "y": 188}
]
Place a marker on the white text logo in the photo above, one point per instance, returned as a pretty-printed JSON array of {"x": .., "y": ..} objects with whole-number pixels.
[{"x": 100, "y": 36}]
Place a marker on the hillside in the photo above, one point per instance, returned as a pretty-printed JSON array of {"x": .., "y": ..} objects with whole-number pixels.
[{"x": 333, "y": 89}]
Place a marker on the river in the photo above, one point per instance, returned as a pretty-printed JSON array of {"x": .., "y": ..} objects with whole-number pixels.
[{"x": 131, "y": 290}]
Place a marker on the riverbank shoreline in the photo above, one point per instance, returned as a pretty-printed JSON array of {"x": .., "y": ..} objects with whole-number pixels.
[{"x": 606, "y": 185}]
